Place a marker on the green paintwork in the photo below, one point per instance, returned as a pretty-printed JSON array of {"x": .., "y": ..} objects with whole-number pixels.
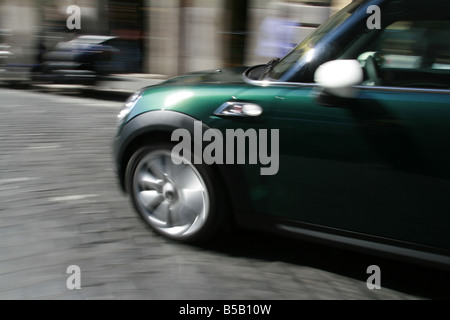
[
  {"x": 377, "y": 164},
  {"x": 197, "y": 94}
]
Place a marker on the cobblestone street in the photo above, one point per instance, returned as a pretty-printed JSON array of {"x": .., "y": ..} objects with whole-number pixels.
[{"x": 60, "y": 206}]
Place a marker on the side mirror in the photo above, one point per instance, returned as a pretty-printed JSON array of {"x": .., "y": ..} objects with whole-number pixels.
[{"x": 338, "y": 77}]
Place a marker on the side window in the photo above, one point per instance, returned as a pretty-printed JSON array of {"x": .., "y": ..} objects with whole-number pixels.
[{"x": 413, "y": 54}]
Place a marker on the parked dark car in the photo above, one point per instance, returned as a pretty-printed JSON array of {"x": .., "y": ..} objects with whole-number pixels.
[
  {"x": 363, "y": 122},
  {"x": 87, "y": 59},
  {"x": 5, "y": 54}
]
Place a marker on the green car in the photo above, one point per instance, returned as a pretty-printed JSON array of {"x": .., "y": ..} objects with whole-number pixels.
[{"x": 345, "y": 140}]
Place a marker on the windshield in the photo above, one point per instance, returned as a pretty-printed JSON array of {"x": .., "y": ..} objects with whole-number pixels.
[{"x": 303, "y": 56}]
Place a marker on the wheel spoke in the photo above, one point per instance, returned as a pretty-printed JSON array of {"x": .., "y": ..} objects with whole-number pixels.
[
  {"x": 150, "y": 199},
  {"x": 149, "y": 182},
  {"x": 186, "y": 215},
  {"x": 194, "y": 199},
  {"x": 173, "y": 170},
  {"x": 162, "y": 212},
  {"x": 192, "y": 207},
  {"x": 157, "y": 167},
  {"x": 173, "y": 218},
  {"x": 187, "y": 179}
]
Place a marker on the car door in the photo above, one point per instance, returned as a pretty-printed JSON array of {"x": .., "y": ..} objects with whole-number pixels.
[{"x": 378, "y": 164}]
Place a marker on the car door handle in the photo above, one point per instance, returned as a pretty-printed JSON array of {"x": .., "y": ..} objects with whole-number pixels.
[{"x": 239, "y": 109}]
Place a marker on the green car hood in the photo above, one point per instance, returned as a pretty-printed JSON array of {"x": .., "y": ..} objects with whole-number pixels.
[
  {"x": 197, "y": 94},
  {"x": 219, "y": 76}
]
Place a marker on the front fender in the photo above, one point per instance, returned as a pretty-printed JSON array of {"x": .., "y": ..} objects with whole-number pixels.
[{"x": 157, "y": 126}]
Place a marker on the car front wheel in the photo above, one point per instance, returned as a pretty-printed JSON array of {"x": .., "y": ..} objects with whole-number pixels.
[{"x": 180, "y": 202}]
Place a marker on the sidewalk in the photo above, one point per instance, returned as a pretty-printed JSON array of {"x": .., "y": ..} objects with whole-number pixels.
[
  {"x": 117, "y": 83},
  {"x": 129, "y": 83}
]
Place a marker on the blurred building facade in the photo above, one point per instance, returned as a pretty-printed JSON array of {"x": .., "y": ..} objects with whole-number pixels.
[
  {"x": 169, "y": 37},
  {"x": 207, "y": 34}
]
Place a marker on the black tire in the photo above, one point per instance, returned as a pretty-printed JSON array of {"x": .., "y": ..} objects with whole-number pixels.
[{"x": 166, "y": 196}]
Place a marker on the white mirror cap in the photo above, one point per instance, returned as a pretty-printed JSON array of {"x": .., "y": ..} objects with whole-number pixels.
[{"x": 338, "y": 77}]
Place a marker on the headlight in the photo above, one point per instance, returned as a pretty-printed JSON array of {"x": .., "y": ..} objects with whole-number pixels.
[
  {"x": 129, "y": 105},
  {"x": 239, "y": 109}
]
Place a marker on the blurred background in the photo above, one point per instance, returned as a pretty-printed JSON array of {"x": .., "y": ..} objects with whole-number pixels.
[
  {"x": 167, "y": 38},
  {"x": 56, "y": 166}
]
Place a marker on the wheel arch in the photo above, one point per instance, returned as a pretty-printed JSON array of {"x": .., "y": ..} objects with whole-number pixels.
[{"x": 158, "y": 126}]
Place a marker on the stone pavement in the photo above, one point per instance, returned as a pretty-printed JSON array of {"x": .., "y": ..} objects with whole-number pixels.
[{"x": 60, "y": 206}]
